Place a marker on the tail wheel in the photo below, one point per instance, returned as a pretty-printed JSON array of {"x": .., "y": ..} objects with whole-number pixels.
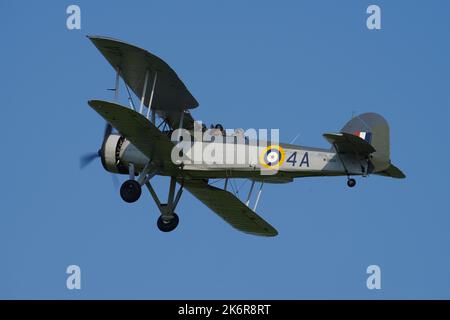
[
  {"x": 351, "y": 182},
  {"x": 167, "y": 224}
]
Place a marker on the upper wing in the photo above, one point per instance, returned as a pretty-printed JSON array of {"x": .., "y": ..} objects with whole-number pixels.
[
  {"x": 138, "y": 130},
  {"x": 230, "y": 208},
  {"x": 173, "y": 119},
  {"x": 170, "y": 93},
  {"x": 348, "y": 143}
]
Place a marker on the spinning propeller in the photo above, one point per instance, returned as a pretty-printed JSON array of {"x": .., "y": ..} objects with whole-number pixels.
[{"x": 89, "y": 157}]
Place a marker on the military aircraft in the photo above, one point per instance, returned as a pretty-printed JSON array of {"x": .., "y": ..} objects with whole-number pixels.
[{"x": 141, "y": 148}]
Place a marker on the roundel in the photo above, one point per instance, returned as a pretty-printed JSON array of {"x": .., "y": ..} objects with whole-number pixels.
[{"x": 272, "y": 157}]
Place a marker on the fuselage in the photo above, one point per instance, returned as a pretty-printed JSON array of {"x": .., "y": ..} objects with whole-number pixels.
[{"x": 297, "y": 161}]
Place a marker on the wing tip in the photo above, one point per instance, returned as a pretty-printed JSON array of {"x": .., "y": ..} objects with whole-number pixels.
[
  {"x": 97, "y": 103},
  {"x": 94, "y": 103},
  {"x": 272, "y": 232},
  {"x": 268, "y": 232}
]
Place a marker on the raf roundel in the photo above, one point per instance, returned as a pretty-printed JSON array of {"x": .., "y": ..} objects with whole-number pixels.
[{"x": 272, "y": 157}]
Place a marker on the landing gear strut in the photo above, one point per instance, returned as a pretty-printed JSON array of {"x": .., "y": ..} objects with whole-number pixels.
[
  {"x": 131, "y": 190},
  {"x": 168, "y": 220},
  {"x": 351, "y": 182}
]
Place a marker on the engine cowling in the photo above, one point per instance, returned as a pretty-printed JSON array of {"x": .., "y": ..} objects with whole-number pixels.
[{"x": 117, "y": 153}]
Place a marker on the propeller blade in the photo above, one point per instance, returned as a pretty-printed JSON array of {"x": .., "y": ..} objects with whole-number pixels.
[
  {"x": 88, "y": 158},
  {"x": 115, "y": 181}
]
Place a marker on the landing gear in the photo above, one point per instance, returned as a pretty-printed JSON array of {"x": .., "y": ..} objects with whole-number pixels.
[
  {"x": 351, "y": 182},
  {"x": 169, "y": 223},
  {"x": 168, "y": 219},
  {"x": 130, "y": 191}
]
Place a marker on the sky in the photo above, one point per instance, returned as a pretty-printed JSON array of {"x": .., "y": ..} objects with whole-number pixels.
[{"x": 301, "y": 66}]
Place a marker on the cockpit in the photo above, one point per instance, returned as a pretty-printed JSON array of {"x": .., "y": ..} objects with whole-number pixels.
[{"x": 217, "y": 130}]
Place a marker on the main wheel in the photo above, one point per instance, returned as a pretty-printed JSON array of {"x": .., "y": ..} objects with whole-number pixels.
[
  {"x": 351, "y": 182},
  {"x": 130, "y": 191},
  {"x": 167, "y": 225}
]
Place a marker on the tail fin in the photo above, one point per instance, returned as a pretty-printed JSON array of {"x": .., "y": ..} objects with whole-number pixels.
[{"x": 374, "y": 129}]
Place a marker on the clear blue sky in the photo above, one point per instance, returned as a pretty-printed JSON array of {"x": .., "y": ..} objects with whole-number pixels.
[{"x": 302, "y": 66}]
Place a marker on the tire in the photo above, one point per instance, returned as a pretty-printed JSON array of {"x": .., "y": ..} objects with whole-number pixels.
[
  {"x": 170, "y": 225},
  {"x": 351, "y": 183},
  {"x": 130, "y": 191}
]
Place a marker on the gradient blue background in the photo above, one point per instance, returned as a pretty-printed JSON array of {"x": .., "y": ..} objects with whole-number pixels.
[{"x": 302, "y": 66}]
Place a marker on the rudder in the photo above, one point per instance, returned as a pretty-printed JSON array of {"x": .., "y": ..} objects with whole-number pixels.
[{"x": 374, "y": 129}]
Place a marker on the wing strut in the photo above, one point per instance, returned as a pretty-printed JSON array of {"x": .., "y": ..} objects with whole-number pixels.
[
  {"x": 130, "y": 99},
  {"x": 141, "y": 108},
  {"x": 180, "y": 125},
  {"x": 259, "y": 195},
  {"x": 247, "y": 202},
  {"x": 144, "y": 90},
  {"x": 116, "y": 87},
  {"x": 151, "y": 99}
]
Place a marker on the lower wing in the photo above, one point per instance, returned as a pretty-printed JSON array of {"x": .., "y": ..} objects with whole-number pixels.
[{"x": 230, "y": 208}]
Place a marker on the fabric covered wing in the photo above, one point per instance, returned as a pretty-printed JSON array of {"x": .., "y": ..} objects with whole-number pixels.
[
  {"x": 138, "y": 130},
  {"x": 230, "y": 208},
  {"x": 173, "y": 119},
  {"x": 170, "y": 93}
]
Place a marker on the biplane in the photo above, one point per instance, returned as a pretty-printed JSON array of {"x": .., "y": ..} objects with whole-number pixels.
[{"x": 138, "y": 142}]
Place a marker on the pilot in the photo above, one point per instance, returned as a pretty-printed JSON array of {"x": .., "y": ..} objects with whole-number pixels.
[{"x": 217, "y": 130}]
